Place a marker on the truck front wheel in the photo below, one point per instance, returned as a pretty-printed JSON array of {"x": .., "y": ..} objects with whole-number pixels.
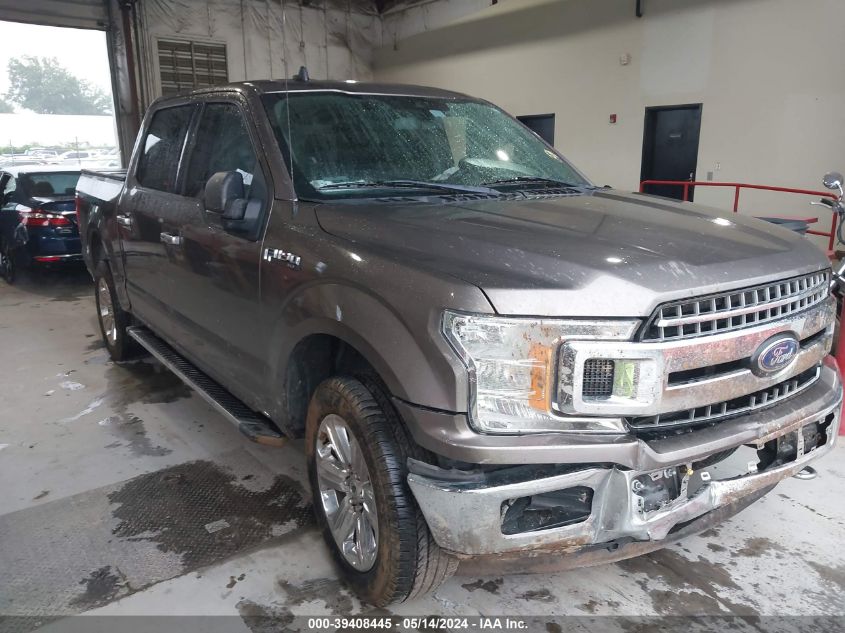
[
  {"x": 112, "y": 318},
  {"x": 357, "y": 452}
]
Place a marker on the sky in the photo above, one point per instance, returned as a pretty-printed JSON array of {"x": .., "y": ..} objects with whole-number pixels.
[{"x": 81, "y": 51}]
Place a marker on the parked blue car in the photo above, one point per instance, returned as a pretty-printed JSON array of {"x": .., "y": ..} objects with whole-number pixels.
[{"x": 38, "y": 225}]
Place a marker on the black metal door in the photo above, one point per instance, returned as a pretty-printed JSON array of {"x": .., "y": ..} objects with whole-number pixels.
[
  {"x": 542, "y": 124},
  {"x": 670, "y": 148}
]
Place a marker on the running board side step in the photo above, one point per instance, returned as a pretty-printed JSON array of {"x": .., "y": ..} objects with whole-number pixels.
[{"x": 254, "y": 426}]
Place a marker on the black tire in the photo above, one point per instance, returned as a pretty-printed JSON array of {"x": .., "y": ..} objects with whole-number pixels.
[
  {"x": 119, "y": 344},
  {"x": 408, "y": 562},
  {"x": 8, "y": 262}
]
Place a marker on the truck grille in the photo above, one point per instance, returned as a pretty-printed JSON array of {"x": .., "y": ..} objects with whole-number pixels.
[
  {"x": 729, "y": 408},
  {"x": 728, "y": 311}
]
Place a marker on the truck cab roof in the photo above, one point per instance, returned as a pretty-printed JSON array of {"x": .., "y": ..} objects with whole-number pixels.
[{"x": 270, "y": 86}]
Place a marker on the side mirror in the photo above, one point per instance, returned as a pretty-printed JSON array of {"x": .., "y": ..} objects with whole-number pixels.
[
  {"x": 833, "y": 180},
  {"x": 224, "y": 194}
]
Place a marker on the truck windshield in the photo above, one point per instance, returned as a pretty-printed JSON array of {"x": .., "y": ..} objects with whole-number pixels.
[{"x": 341, "y": 145}]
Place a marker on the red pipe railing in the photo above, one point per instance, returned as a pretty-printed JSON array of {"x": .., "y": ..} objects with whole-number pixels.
[{"x": 686, "y": 184}]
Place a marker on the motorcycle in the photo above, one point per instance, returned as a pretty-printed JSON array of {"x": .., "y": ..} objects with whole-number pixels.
[{"x": 833, "y": 180}]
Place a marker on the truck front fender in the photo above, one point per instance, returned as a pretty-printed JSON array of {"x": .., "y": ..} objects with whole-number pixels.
[{"x": 407, "y": 351}]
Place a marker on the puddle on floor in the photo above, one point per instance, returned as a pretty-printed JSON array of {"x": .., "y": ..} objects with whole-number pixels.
[{"x": 172, "y": 508}]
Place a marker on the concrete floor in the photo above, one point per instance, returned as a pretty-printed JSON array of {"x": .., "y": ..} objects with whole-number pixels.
[{"x": 90, "y": 521}]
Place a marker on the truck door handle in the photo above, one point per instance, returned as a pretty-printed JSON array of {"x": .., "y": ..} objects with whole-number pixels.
[
  {"x": 172, "y": 240},
  {"x": 124, "y": 220}
]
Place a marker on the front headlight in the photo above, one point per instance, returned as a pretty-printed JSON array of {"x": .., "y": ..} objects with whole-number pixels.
[{"x": 511, "y": 364}]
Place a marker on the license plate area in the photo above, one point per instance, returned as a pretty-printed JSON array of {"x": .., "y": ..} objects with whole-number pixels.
[
  {"x": 657, "y": 490},
  {"x": 789, "y": 447}
]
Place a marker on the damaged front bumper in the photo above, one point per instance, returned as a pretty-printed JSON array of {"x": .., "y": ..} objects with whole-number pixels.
[{"x": 675, "y": 481}]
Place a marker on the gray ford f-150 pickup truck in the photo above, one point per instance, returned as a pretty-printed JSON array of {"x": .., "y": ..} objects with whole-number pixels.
[{"x": 491, "y": 360}]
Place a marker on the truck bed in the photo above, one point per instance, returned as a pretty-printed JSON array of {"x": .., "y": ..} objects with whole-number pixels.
[
  {"x": 101, "y": 185},
  {"x": 111, "y": 174},
  {"x": 97, "y": 197}
]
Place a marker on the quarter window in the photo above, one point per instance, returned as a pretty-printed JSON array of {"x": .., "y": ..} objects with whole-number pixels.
[{"x": 162, "y": 148}]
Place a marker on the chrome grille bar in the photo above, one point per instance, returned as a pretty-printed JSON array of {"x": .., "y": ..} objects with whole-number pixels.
[
  {"x": 736, "y": 309},
  {"x": 738, "y": 406}
]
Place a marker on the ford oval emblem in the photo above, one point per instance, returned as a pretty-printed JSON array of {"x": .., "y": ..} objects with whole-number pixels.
[{"x": 775, "y": 355}]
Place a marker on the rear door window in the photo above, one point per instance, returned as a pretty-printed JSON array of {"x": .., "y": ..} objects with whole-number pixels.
[{"x": 159, "y": 161}]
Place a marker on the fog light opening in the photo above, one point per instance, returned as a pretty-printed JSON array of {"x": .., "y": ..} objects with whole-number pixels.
[{"x": 547, "y": 510}]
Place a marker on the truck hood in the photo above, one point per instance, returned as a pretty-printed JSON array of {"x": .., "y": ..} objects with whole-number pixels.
[{"x": 604, "y": 253}]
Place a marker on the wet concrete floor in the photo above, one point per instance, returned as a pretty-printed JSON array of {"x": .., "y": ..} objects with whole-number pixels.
[{"x": 155, "y": 505}]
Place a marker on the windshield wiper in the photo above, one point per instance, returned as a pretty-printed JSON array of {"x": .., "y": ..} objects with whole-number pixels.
[
  {"x": 410, "y": 184},
  {"x": 532, "y": 179}
]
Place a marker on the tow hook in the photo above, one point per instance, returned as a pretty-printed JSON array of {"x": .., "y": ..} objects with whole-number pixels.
[{"x": 806, "y": 473}]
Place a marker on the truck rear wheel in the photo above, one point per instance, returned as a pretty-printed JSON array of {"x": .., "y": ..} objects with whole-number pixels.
[
  {"x": 112, "y": 318},
  {"x": 357, "y": 452}
]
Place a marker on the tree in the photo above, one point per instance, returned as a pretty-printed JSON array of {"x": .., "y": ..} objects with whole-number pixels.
[
  {"x": 5, "y": 107},
  {"x": 44, "y": 86}
]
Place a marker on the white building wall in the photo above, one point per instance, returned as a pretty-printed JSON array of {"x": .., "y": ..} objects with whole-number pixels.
[
  {"x": 768, "y": 72},
  {"x": 409, "y": 18},
  {"x": 265, "y": 39}
]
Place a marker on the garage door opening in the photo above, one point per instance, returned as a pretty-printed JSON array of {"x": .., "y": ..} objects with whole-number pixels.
[{"x": 56, "y": 101}]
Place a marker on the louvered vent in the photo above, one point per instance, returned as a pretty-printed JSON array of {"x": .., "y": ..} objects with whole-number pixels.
[{"x": 186, "y": 66}]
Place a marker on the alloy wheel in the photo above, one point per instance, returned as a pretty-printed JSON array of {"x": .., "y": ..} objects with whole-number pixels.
[
  {"x": 346, "y": 491},
  {"x": 107, "y": 318}
]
